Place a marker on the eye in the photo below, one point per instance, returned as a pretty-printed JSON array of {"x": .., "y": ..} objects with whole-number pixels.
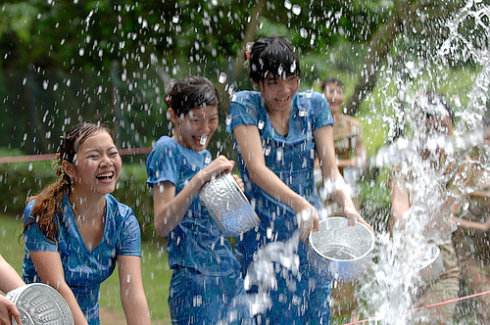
[{"x": 114, "y": 153}]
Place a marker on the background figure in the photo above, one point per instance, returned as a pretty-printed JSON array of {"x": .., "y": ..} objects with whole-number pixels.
[
  {"x": 347, "y": 134},
  {"x": 206, "y": 275},
  {"x": 437, "y": 120},
  {"x": 472, "y": 238},
  {"x": 9, "y": 280},
  {"x": 75, "y": 230},
  {"x": 277, "y": 130},
  {"x": 351, "y": 159}
]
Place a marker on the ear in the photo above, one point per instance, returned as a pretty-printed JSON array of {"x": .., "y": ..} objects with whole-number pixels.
[
  {"x": 172, "y": 115},
  {"x": 69, "y": 169}
]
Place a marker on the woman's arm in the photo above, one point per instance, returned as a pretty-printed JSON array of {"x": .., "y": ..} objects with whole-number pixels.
[
  {"x": 50, "y": 270},
  {"x": 248, "y": 138},
  {"x": 330, "y": 172},
  {"x": 169, "y": 209},
  {"x": 9, "y": 279},
  {"x": 400, "y": 203},
  {"x": 132, "y": 292},
  {"x": 467, "y": 224}
]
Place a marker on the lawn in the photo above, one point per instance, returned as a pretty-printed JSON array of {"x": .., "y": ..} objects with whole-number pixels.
[{"x": 156, "y": 274}]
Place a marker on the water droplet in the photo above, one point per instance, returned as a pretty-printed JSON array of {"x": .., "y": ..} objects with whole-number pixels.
[
  {"x": 222, "y": 77},
  {"x": 296, "y": 10}
]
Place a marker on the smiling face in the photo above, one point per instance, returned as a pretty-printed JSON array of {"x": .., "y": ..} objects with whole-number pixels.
[
  {"x": 335, "y": 96},
  {"x": 96, "y": 167},
  {"x": 278, "y": 93},
  {"x": 195, "y": 129}
]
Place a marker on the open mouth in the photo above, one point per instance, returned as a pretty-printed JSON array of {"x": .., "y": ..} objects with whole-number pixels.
[
  {"x": 106, "y": 176},
  {"x": 283, "y": 100},
  {"x": 201, "y": 140}
]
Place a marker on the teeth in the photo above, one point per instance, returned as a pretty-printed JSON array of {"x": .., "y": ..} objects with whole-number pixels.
[{"x": 203, "y": 140}]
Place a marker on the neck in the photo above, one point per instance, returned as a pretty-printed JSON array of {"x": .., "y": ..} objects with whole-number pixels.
[
  {"x": 336, "y": 114},
  {"x": 87, "y": 206}
]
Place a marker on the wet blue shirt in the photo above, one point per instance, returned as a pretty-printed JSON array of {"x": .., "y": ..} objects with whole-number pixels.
[
  {"x": 84, "y": 269},
  {"x": 196, "y": 242},
  {"x": 291, "y": 157}
]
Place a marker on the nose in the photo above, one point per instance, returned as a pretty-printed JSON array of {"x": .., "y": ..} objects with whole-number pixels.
[
  {"x": 106, "y": 160},
  {"x": 205, "y": 127}
]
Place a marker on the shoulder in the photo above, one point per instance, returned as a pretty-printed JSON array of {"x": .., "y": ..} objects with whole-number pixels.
[
  {"x": 351, "y": 121},
  {"x": 164, "y": 147},
  {"x": 119, "y": 210},
  {"x": 165, "y": 142},
  {"x": 27, "y": 214},
  {"x": 245, "y": 97},
  {"x": 312, "y": 97}
]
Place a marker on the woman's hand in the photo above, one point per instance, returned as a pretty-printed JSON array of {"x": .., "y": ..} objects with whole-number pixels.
[
  {"x": 218, "y": 166},
  {"x": 239, "y": 182},
  {"x": 8, "y": 310},
  {"x": 308, "y": 219}
]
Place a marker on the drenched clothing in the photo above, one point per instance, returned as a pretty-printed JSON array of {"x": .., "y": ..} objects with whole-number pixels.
[
  {"x": 84, "y": 269},
  {"x": 203, "y": 264},
  {"x": 346, "y": 136},
  {"x": 302, "y": 299}
]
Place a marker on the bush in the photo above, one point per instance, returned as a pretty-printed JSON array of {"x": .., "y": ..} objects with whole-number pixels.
[{"x": 20, "y": 181}]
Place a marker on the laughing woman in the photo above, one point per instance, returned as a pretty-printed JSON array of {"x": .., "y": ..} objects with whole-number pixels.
[{"x": 76, "y": 232}]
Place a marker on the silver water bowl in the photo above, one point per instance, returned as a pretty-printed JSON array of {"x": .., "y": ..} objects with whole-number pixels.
[
  {"x": 228, "y": 206},
  {"x": 340, "y": 251},
  {"x": 40, "y": 304},
  {"x": 432, "y": 266}
]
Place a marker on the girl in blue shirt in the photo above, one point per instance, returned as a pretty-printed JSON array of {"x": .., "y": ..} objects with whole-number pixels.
[
  {"x": 278, "y": 133},
  {"x": 75, "y": 230},
  {"x": 206, "y": 275}
]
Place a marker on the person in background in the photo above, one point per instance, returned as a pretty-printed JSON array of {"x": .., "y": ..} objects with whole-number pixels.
[
  {"x": 438, "y": 120},
  {"x": 206, "y": 274},
  {"x": 75, "y": 231},
  {"x": 351, "y": 160},
  {"x": 278, "y": 131},
  {"x": 471, "y": 213},
  {"x": 9, "y": 280},
  {"x": 347, "y": 133}
]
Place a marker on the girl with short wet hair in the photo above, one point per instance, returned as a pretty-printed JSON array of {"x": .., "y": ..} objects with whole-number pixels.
[
  {"x": 278, "y": 132},
  {"x": 206, "y": 275}
]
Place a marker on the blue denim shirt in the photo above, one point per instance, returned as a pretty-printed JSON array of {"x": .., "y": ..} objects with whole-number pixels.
[
  {"x": 196, "y": 242},
  {"x": 290, "y": 157},
  {"x": 84, "y": 269}
]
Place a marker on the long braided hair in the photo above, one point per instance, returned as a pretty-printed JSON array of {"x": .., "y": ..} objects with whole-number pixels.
[{"x": 49, "y": 201}]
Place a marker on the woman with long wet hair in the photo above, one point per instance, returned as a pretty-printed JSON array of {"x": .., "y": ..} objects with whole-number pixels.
[{"x": 76, "y": 232}]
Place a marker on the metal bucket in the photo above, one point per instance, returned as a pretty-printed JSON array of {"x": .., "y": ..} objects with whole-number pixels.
[
  {"x": 433, "y": 267},
  {"x": 340, "y": 251},
  {"x": 40, "y": 304},
  {"x": 228, "y": 206}
]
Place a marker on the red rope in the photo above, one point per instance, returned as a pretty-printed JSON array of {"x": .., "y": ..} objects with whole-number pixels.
[
  {"x": 52, "y": 156},
  {"x": 429, "y": 306}
]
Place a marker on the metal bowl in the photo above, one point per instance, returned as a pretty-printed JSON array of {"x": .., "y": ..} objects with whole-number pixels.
[
  {"x": 432, "y": 266},
  {"x": 228, "y": 206},
  {"x": 40, "y": 304},
  {"x": 340, "y": 251}
]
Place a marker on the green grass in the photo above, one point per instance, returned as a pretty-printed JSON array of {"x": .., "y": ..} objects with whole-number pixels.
[{"x": 155, "y": 270}]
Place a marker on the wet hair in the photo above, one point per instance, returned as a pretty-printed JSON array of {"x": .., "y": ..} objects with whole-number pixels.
[
  {"x": 48, "y": 201},
  {"x": 332, "y": 81},
  {"x": 273, "y": 58},
  {"x": 190, "y": 93}
]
